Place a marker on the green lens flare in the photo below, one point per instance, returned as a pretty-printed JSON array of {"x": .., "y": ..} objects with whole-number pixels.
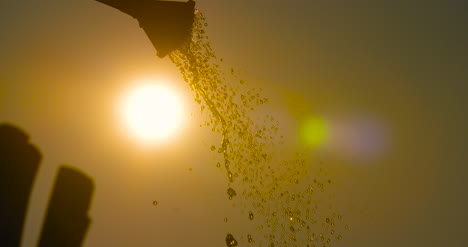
[{"x": 314, "y": 131}]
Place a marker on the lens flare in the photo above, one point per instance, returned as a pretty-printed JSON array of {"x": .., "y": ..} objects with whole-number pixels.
[
  {"x": 314, "y": 131},
  {"x": 358, "y": 137}
]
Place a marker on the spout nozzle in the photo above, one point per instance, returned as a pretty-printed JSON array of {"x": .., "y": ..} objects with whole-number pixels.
[{"x": 167, "y": 24}]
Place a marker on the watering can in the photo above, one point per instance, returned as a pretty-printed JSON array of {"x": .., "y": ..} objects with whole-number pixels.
[{"x": 167, "y": 24}]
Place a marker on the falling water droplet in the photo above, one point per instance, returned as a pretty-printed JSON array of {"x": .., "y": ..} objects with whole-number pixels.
[
  {"x": 251, "y": 216},
  {"x": 231, "y": 193},
  {"x": 230, "y": 240}
]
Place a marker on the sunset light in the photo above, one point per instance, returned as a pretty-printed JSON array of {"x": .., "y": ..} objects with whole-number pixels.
[{"x": 151, "y": 111}]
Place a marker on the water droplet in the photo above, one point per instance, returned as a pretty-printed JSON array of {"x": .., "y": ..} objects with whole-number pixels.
[
  {"x": 230, "y": 240},
  {"x": 213, "y": 148},
  {"x": 225, "y": 219},
  {"x": 251, "y": 216},
  {"x": 231, "y": 193},
  {"x": 155, "y": 203},
  {"x": 249, "y": 238}
]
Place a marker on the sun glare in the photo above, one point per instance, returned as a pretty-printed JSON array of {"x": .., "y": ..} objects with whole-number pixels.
[{"x": 152, "y": 111}]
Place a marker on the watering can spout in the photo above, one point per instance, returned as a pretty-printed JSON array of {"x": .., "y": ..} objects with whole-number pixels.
[{"x": 167, "y": 24}]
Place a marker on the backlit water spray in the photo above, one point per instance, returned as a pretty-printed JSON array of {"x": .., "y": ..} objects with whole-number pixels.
[{"x": 285, "y": 200}]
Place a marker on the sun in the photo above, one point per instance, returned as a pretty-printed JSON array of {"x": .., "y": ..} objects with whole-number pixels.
[{"x": 152, "y": 111}]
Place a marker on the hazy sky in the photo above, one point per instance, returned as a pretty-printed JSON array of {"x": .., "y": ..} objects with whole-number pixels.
[{"x": 398, "y": 65}]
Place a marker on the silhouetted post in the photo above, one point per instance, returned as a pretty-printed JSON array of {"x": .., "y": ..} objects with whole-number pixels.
[
  {"x": 67, "y": 217},
  {"x": 19, "y": 162}
]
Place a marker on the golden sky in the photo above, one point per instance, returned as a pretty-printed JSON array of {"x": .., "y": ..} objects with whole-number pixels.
[{"x": 395, "y": 66}]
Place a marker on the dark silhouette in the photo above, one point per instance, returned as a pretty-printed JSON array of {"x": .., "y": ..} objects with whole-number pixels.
[
  {"x": 67, "y": 218},
  {"x": 19, "y": 162},
  {"x": 167, "y": 24}
]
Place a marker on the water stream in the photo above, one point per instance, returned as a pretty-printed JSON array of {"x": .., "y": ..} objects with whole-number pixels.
[{"x": 285, "y": 200}]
